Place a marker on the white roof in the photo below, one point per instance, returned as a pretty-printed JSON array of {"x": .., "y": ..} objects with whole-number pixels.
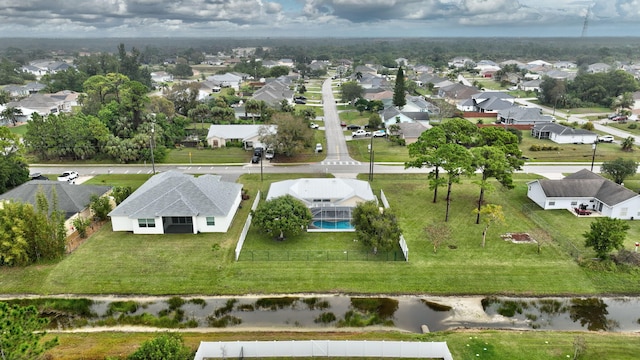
[
  {"x": 237, "y": 131},
  {"x": 308, "y": 189}
]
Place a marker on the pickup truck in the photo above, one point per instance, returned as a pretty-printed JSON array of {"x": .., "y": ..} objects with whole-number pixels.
[
  {"x": 68, "y": 176},
  {"x": 360, "y": 132}
]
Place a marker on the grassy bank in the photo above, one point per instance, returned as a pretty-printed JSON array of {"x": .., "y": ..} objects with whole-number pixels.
[{"x": 464, "y": 345}]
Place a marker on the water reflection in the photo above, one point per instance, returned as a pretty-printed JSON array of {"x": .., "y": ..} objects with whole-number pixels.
[{"x": 567, "y": 314}]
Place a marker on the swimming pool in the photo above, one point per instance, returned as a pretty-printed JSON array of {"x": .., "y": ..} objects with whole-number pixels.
[{"x": 337, "y": 225}]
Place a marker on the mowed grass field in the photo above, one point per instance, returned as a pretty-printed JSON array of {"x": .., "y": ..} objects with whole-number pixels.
[
  {"x": 464, "y": 345},
  {"x": 123, "y": 263}
]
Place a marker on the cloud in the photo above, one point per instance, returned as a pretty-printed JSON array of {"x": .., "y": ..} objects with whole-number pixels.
[{"x": 114, "y": 18}]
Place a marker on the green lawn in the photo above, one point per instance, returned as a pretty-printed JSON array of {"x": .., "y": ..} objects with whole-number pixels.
[
  {"x": 133, "y": 180},
  {"x": 223, "y": 155},
  {"x": 383, "y": 150},
  {"x": 123, "y": 263},
  {"x": 571, "y": 152},
  {"x": 20, "y": 130},
  {"x": 635, "y": 130},
  {"x": 464, "y": 345}
]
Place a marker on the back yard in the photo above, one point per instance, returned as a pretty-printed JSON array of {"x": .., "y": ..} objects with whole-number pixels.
[{"x": 123, "y": 263}]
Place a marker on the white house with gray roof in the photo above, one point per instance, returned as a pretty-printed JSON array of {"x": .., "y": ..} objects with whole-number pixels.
[
  {"x": 587, "y": 189},
  {"x": 174, "y": 202},
  {"x": 561, "y": 134},
  {"x": 248, "y": 135},
  {"x": 330, "y": 200}
]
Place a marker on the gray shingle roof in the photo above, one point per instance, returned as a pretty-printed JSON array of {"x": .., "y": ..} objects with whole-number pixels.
[
  {"x": 176, "y": 194},
  {"x": 71, "y": 198},
  {"x": 585, "y": 183},
  {"x": 311, "y": 188}
]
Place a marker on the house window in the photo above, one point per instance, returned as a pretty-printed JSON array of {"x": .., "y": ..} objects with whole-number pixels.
[
  {"x": 211, "y": 221},
  {"x": 150, "y": 223},
  {"x": 182, "y": 220},
  {"x": 574, "y": 203},
  {"x": 552, "y": 203},
  {"x": 623, "y": 211}
]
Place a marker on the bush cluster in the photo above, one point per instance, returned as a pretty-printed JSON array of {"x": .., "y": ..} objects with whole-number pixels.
[{"x": 543, "y": 148}]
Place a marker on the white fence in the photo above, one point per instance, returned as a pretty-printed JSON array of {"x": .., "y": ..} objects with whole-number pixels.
[
  {"x": 403, "y": 243},
  {"x": 324, "y": 348},
  {"x": 245, "y": 229}
]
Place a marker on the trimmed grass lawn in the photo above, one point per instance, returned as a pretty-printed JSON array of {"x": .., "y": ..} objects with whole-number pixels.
[
  {"x": 123, "y": 263},
  {"x": 223, "y": 155},
  {"x": 383, "y": 150},
  {"x": 20, "y": 129},
  {"x": 571, "y": 152},
  {"x": 133, "y": 180},
  {"x": 464, "y": 345},
  {"x": 625, "y": 127}
]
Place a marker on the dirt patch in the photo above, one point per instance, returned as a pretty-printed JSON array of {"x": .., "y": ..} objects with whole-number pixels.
[{"x": 518, "y": 238}]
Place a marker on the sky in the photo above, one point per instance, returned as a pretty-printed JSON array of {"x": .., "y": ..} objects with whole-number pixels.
[{"x": 318, "y": 18}]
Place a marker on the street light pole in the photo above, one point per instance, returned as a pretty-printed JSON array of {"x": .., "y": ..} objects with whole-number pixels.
[
  {"x": 153, "y": 164},
  {"x": 593, "y": 157},
  {"x": 371, "y": 159}
]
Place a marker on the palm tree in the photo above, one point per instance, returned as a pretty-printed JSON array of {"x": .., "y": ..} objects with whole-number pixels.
[
  {"x": 358, "y": 76},
  {"x": 11, "y": 113},
  {"x": 627, "y": 144},
  {"x": 624, "y": 101},
  {"x": 251, "y": 106}
]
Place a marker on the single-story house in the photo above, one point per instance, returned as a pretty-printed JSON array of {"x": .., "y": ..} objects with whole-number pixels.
[
  {"x": 73, "y": 200},
  {"x": 330, "y": 200},
  {"x": 392, "y": 115},
  {"x": 248, "y": 135},
  {"x": 561, "y": 134},
  {"x": 519, "y": 115},
  {"x": 174, "y": 202},
  {"x": 410, "y": 132},
  {"x": 588, "y": 190}
]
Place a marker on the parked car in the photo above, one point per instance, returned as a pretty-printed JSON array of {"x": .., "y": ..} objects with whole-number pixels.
[
  {"x": 605, "y": 138},
  {"x": 343, "y": 124},
  {"x": 318, "y": 148},
  {"x": 300, "y": 101},
  {"x": 269, "y": 154},
  {"x": 38, "y": 176},
  {"x": 258, "y": 151},
  {"x": 360, "y": 132},
  {"x": 314, "y": 126},
  {"x": 619, "y": 118},
  {"x": 255, "y": 159},
  {"x": 353, "y": 127},
  {"x": 68, "y": 176},
  {"x": 379, "y": 133},
  {"x": 300, "y": 97}
]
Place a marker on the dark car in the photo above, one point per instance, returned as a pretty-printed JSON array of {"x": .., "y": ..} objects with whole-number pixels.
[
  {"x": 255, "y": 159},
  {"x": 300, "y": 98},
  {"x": 300, "y": 101},
  {"x": 258, "y": 151},
  {"x": 353, "y": 127},
  {"x": 343, "y": 124}
]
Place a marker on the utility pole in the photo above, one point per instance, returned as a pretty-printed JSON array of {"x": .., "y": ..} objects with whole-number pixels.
[
  {"x": 371, "y": 160},
  {"x": 593, "y": 158},
  {"x": 153, "y": 164}
]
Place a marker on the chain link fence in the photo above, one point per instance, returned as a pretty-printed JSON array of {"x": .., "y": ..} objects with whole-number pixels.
[
  {"x": 560, "y": 239},
  {"x": 319, "y": 255}
]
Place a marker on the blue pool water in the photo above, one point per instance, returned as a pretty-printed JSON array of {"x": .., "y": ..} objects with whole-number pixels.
[{"x": 341, "y": 225}]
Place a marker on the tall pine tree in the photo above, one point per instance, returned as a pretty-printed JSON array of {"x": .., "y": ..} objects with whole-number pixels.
[{"x": 399, "y": 90}]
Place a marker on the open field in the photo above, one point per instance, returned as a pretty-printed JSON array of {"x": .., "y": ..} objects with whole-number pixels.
[
  {"x": 224, "y": 155},
  {"x": 123, "y": 263},
  {"x": 464, "y": 345}
]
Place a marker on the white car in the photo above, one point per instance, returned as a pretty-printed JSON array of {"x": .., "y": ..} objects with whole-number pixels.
[
  {"x": 379, "y": 133},
  {"x": 314, "y": 126},
  {"x": 605, "y": 138},
  {"x": 269, "y": 154},
  {"x": 360, "y": 132},
  {"x": 68, "y": 176},
  {"x": 318, "y": 148}
]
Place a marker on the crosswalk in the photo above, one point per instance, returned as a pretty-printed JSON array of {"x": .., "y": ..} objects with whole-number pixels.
[{"x": 349, "y": 163}]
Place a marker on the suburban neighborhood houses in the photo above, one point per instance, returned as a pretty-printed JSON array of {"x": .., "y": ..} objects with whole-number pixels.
[{"x": 425, "y": 197}]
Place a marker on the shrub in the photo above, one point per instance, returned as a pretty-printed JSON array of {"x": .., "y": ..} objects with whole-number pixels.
[
  {"x": 81, "y": 224},
  {"x": 632, "y": 126}
]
